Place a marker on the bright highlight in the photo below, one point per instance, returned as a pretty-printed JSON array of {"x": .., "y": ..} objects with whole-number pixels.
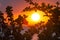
[{"x": 35, "y": 17}]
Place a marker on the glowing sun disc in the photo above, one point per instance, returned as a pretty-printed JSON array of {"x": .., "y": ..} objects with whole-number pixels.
[{"x": 35, "y": 17}]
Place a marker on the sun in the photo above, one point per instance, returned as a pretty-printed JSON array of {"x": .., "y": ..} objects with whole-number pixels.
[{"x": 35, "y": 16}]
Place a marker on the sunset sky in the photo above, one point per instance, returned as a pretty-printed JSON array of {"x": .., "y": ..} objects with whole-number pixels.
[
  {"x": 19, "y": 5},
  {"x": 35, "y": 22}
]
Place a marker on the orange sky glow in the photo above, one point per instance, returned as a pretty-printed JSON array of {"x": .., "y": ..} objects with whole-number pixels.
[
  {"x": 42, "y": 17},
  {"x": 18, "y": 6}
]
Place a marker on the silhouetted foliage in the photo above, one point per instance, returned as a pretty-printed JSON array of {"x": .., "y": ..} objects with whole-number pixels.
[
  {"x": 9, "y": 11},
  {"x": 53, "y": 23},
  {"x": 1, "y": 17},
  {"x": 50, "y": 31},
  {"x": 19, "y": 20}
]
